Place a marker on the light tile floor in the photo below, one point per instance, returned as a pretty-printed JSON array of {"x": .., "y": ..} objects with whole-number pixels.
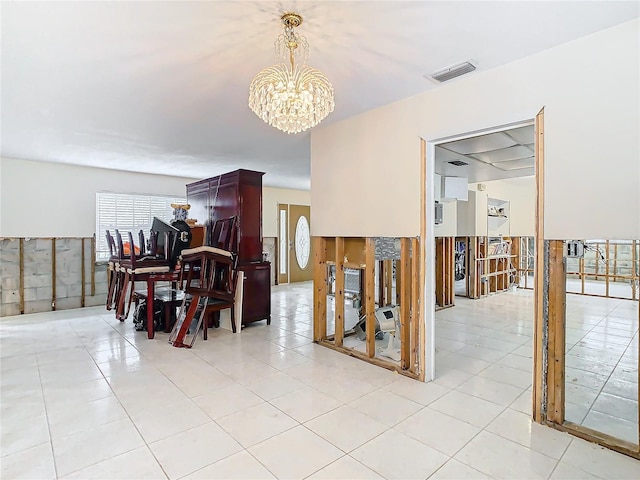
[
  {"x": 484, "y": 348},
  {"x": 83, "y": 396}
]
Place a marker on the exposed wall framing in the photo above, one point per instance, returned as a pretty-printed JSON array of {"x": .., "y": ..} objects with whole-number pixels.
[
  {"x": 329, "y": 324},
  {"x": 612, "y": 262},
  {"x": 45, "y": 274},
  {"x": 445, "y": 254},
  {"x": 552, "y": 394}
]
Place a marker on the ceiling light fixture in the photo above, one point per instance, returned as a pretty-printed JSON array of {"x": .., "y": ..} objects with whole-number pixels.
[{"x": 293, "y": 97}]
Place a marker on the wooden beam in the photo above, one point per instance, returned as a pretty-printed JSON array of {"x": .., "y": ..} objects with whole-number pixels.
[
  {"x": 586, "y": 433},
  {"x": 581, "y": 263},
  {"x": 398, "y": 265},
  {"x": 82, "y": 273},
  {"x": 557, "y": 299},
  {"x": 369, "y": 303},
  {"x": 381, "y": 277},
  {"x": 379, "y": 362},
  {"x": 450, "y": 273},
  {"x": 319, "y": 288},
  {"x": 440, "y": 261},
  {"x": 388, "y": 270},
  {"x": 538, "y": 329},
  {"x": 634, "y": 272},
  {"x": 21, "y": 260},
  {"x": 403, "y": 279},
  {"x": 606, "y": 268},
  {"x": 339, "y": 293},
  {"x": 415, "y": 292},
  {"x": 53, "y": 274}
]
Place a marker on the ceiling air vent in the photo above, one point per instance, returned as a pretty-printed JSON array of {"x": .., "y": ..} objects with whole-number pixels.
[
  {"x": 453, "y": 72},
  {"x": 458, "y": 163}
]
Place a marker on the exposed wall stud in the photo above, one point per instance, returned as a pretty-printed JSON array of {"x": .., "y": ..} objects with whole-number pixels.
[
  {"x": 339, "y": 293},
  {"x": 538, "y": 330},
  {"x": 21, "y": 260},
  {"x": 319, "y": 289},
  {"x": 53, "y": 274},
  {"x": 369, "y": 306}
]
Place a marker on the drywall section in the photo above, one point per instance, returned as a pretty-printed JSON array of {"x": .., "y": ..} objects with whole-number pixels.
[
  {"x": 521, "y": 195},
  {"x": 271, "y": 197},
  {"x": 41, "y": 199},
  {"x": 589, "y": 90}
]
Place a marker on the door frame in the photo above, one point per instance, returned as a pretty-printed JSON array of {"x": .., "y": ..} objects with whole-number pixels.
[
  {"x": 282, "y": 278},
  {"x": 427, "y": 232}
]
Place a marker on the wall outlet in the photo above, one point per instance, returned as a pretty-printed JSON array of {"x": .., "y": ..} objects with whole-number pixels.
[{"x": 575, "y": 249}]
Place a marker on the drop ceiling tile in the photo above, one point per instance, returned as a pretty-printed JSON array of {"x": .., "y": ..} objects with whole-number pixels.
[
  {"x": 445, "y": 155},
  {"x": 516, "y": 164},
  {"x": 504, "y": 154},
  {"x": 522, "y": 135},
  {"x": 483, "y": 143}
]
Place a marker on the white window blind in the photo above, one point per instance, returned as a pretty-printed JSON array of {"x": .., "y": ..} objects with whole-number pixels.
[{"x": 128, "y": 213}]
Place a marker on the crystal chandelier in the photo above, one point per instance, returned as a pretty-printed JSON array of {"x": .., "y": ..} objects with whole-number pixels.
[{"x": 291, "y": 97}]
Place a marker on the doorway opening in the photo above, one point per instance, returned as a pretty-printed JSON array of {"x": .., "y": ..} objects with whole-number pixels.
[{"x": 484, "y": 188}]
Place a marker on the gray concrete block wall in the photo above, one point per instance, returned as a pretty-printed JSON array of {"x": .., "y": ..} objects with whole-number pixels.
[{"x": 38, "y": 275}]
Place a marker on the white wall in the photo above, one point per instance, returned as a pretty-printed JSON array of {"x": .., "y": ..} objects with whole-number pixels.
[
  {"x": 39, "y": 199},
  {"x": 521, "y": 194},
  {"x": 271, "y": 197},
  {"x": 365, "y": 171}
]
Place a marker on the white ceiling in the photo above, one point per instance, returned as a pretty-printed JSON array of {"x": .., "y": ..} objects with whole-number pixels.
[{"x": 162, "y": 86}]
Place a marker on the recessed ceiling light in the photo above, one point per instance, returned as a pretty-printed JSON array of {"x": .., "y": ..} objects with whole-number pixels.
[{"x": 458, "y": 163}]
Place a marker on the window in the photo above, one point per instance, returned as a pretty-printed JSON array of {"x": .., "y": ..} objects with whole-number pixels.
[{"x": 128, "y": 213}]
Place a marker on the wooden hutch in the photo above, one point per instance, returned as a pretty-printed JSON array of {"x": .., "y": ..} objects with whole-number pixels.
[{"x": 239, "y": 194}]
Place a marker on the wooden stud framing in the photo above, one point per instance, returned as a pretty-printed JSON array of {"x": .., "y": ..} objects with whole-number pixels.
[
  {"x": 515, "y": 251},
  {"x": 53, "y": 274},
  {"x": 379, "y": 362},
  {"x": 556, "y": 292},
  {"x": 472, "y": 268},
  {"x": 414, "y": 316},
  {"x": 403, "y": 280},
  {"x": 538, "y": 330},
  {"x": 634, "y": 283},
  {"x": 600, "y": 438},
  {"x": 339, "y": 293},
  {"x": 369, "y": 304},
  {"x": 82, "y": 274},
  {"x": 319, "y": 289},
  {"x": 388, "y": 270},
  {"x": 21, "y": 260},
  {"x": 444, "y": 261},
  {"x": 381, "y": 277},
  {"x": 606, "y": 268},
  {"x": 440, "y": 271}
]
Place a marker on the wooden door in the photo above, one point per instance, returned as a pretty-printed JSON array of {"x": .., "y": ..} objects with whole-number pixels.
[{"x": 300, "y": 254}]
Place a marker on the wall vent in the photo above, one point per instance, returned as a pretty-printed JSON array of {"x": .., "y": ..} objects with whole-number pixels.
[
  {"x": 458, "y": 163},
  {"x": 453, "y": 72}
]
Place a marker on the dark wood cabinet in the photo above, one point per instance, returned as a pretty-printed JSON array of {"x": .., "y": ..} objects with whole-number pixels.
[{"x": 238, "y": 194}]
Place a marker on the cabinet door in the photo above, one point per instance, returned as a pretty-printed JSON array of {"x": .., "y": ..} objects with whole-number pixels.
[
  {"x": 256, "y": 294},
  {"x": 198, "y": 198}
]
